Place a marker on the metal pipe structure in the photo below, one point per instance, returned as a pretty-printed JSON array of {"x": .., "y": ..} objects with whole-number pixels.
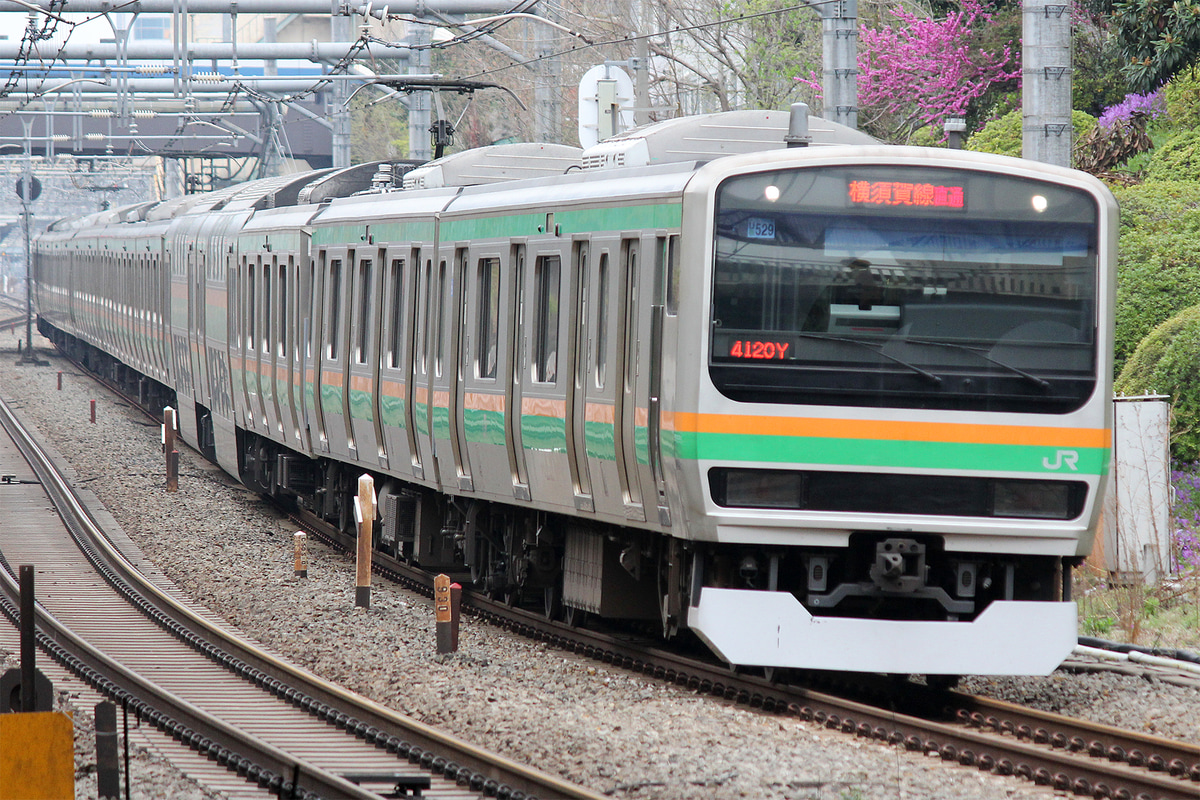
[
  {"x": 209, "y": 83},
  {"x": 334, "y": 7},
  {"x": 162, "y": 50}
]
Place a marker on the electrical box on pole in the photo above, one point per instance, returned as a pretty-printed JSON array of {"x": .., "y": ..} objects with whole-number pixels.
[{"x": 605, "y": 104}]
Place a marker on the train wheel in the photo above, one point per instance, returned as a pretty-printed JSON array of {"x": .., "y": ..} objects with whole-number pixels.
[{"x": 552, "y": 606}]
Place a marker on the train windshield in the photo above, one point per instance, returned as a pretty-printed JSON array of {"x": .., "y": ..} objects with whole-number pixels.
[{"x": 910, "y": 287}]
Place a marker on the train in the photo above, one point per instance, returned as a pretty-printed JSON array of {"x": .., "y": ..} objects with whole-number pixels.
[{"x": 751, "y": 378}]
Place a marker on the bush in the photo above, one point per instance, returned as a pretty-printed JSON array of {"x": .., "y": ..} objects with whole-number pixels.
[
  {"x": 1158, "y": 272},
  {"x": 1182, "y": 95},
  {"x": 1168, "y": 362},
  {"x": 1004, "y": 138},
  {"x": 1177, "y": 159}
]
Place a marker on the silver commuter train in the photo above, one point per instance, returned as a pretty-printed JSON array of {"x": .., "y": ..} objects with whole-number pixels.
[{"x": 842, "y": 406}]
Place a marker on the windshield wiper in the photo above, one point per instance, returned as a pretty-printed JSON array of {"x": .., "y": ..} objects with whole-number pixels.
[
  {"x": 878, "y": 350},
  {"x": 1041, "y": 383}
]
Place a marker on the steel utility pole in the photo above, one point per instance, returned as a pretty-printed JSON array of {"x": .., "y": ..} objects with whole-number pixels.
[
  {"x": 28, "y": 191},
  {"x": 1046, "y": 81}
]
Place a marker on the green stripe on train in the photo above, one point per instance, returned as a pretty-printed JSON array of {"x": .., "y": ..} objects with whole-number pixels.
[
  {"x": 362, "y": 405},
  {"x": 391, "y": 411},
  {"x": 662, "y": 215},
  {"x": 881, "y": 453}
]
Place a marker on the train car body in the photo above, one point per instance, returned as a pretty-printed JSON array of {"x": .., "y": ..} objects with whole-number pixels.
[{"x": 844, "y": 406}]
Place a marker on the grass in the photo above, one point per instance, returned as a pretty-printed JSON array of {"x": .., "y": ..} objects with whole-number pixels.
[{"x": 1166, "y": 615}]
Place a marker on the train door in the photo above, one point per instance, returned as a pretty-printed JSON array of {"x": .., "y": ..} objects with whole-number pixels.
[
  {"x": 363, "y": 358},
  {"x": 295, "y": 343},
  {"x": 376, "y": 359},
  {"x": 393, "y": 423},
  {"x": 626, "y": 411},
  {"x": 423, "y": 372},
  {"x": 251, "y": 304},
  {"x": 198, "y": 286},
  {"x": 445, "y": 401},
  {"x": 543, "y": 391},
  {"x": 311, "y": 361},
  {"x": 412, "y": 306},
  {"x": 516, "y": 367},
  {"x": 666, "y": 256},
  {"x": 333, "y": 352},
  {"x": 576, "y": 382},
  {"x": 454, "y": 373},
  {"x": 285, "y": 378},
  {"x": 267, "y": 341},
  {"x": 277, "y": 359},
  {"x": 485, "y": 362}
]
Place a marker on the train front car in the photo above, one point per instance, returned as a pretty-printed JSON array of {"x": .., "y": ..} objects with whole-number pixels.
[{"x": 901, "y": 412}]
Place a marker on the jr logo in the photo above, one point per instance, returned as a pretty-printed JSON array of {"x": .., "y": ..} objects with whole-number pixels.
[{"x": 1067, "y": 458}]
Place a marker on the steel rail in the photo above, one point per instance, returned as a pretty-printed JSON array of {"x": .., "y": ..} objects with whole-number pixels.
[
  {"x": 432, "y": 749},
  {"x": 258, "y": 760},
  {"x": 1131, "y": 765},
  {"x": 436, "y": 751}
]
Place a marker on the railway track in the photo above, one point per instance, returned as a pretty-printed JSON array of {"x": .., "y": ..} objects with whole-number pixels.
[
  {"x": 1052, "y": 750},
  {"x": 280, "y": 728}
]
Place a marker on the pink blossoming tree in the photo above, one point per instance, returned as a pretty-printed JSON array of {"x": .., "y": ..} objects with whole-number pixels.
[{"x": 922, "y": 70}]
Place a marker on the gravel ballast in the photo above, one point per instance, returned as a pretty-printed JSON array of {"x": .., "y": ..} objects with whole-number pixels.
[{"x": 617, "y": 732}]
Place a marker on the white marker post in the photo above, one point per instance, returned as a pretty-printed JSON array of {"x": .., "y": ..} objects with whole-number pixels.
[{"x": 364, "y": 513}]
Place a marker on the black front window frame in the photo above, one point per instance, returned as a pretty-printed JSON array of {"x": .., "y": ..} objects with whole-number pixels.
[{"x": 907, "y": 287}]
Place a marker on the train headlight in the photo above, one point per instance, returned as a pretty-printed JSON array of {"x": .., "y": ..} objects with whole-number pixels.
[
  {"x": 1039, "y": 203},
  {"x": 759, "y": 488},
  {"x": 1032, "y": 499}
]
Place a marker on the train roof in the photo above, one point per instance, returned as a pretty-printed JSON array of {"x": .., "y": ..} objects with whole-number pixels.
[
  {"x": 495, "y": 164},
  {"x": 709, "y": 136}
]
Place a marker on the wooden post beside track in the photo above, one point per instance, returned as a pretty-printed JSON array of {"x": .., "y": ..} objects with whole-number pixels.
[
  {"x": 169, "y": 428},
  {"x": 300, "y": 550},
  {"x": 364, "y": 509},
  {"x": 93, "y": 412},
  {"x": 60, "y": 380},
  {"x": 442, "y": 612}
]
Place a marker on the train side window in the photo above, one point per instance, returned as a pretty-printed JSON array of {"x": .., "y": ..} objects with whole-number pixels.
[
  {"x": 396, "y": 330},
  {"x": 334, "y": 306},
  {"x": 251, "y": 307},
  {"x": 546, "y": 308},
  {"x": 283, "y": 309},
  {"x": 267, "y": 310},
  {"x": 365, "y": 271},
  {"x": 631, "y": 346},
  {"x": 489, "y": 317},
  {"x": 673, "y": 275},
  {"x": 423, "y": 327},
  {"x": 601, "y": 359},
  {"x": 440, "y": 318}
]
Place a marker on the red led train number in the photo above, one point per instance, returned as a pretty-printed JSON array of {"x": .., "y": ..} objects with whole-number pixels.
[{"x": 752, "y": 348}]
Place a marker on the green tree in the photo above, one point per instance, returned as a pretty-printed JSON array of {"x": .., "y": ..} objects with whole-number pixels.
[
  {"x": 1158, "y": 39},
  {"x": 1158, "y": 269},
  {"x": 1167, "y": 361}
]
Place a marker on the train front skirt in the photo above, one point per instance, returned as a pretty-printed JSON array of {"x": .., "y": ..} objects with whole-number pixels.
[{"x": 761, "y": 628}]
